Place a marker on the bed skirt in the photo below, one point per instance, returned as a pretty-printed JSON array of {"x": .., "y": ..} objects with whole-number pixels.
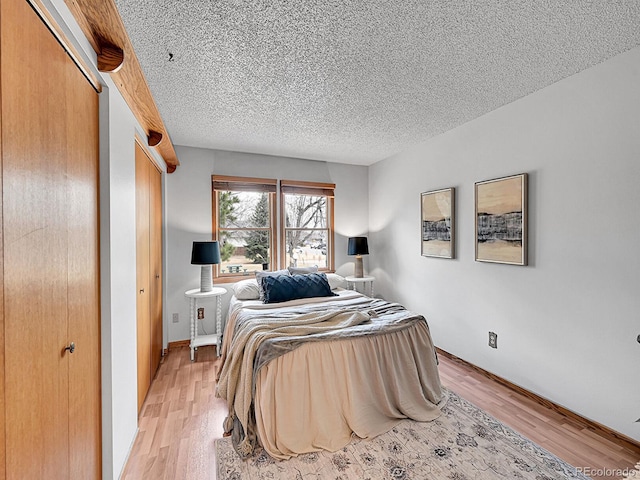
[{"x": 319, "y": 395}]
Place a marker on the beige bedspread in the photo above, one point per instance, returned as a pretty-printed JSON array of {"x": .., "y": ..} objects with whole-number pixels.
[{"x": 306, "y": 375}]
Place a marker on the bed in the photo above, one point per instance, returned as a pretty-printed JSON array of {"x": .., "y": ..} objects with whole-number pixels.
[{"x": 306, "y": 374}]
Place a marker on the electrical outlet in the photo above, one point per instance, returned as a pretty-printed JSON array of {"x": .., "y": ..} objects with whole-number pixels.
[
  {"x": 493, "y": 340},
  {"x": 176, "y": 317},
  {"x": 200, "y": 313}
]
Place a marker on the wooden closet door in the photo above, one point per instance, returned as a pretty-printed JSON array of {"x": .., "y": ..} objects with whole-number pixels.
[
  {"x": 49, "y": 208},
  {"x": 142, "y": 274},
  {"x": 155, "y": 263},
  {"x": 149, "y": 269},
  {"x": 84, "y": 288}
]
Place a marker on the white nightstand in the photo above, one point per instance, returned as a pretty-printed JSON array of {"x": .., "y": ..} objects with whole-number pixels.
[
  {"x": 352, "y": 281},
  {"x": 214, "y": 338}
]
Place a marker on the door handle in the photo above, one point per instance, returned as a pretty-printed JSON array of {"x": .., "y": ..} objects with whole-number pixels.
[
  {"x": 142, "y": 290},
  {"x": 71, "y": 347}
]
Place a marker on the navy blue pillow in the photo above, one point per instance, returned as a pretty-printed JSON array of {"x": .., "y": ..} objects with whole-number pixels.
[{"x": 283, "y": 288}]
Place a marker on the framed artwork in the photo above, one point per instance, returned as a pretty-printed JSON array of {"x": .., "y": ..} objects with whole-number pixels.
[
  {"x": 438, "y": 223},
  {"x": 501, "y": 220}
]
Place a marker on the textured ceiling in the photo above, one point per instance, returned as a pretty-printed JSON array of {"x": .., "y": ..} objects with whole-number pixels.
[{"x": 357, "y": 81}]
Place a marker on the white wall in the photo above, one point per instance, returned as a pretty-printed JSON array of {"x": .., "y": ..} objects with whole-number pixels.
[
  {"x": 118, "y": 281},
  {"x": 189, "y": 214},
  {"x": 567, "y": 323},
  {"x": 118, "y": 276}
]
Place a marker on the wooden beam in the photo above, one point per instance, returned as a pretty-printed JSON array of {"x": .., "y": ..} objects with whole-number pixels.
[{"x": 102, "y": 25}]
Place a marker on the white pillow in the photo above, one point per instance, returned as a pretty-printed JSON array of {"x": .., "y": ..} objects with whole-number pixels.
[
  {"x": 336, "y": 281},
  {"x": 302, "y": 270},
  {"x": 247, "y": 290}
]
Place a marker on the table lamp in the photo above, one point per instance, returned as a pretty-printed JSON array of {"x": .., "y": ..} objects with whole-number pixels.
[
  {"x": 358, "y": 246},
  {"x": 205, "y": 254}
]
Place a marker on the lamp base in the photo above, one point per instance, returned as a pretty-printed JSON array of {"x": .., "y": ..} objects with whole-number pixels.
[
  {"x": 206, "y": 280},
  {"x": 359, "y": 272}
]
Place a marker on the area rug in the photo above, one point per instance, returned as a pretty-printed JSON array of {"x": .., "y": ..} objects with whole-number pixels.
[
  {"x": 633, "y": 474},
  {"x": 465, "y": 443}
]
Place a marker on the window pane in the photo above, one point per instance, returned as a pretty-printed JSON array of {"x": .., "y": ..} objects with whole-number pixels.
[
  {"x": 305, "y": 211},
  {"x": 243, "y": 209},
  {"x": 244, "y": 251},
  {"x": 306, "y": 248}
]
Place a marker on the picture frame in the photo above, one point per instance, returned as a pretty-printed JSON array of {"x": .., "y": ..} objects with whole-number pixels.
[
  {"x": 501, "y": 220},
  {"x": 437, "y": 225}
]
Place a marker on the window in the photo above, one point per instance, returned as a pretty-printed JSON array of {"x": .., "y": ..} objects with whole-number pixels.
[
  {"x": 243, "y": 224},
  {"x": 307, "y": 224}
]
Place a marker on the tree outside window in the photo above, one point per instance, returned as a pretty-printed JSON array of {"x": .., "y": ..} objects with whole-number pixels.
[
  {"x": 244, "y": 219},
  {"x": 307, "y": 211},
  {"x": 243, "y": 224},
  {"x": 305, "y": 230}
]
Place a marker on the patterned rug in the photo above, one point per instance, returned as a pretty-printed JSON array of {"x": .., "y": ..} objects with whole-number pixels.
[
  {"x": 633, "y": 474},
  {"x": 465, "y": 443}
]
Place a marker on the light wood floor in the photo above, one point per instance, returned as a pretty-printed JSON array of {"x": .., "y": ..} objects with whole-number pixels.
[
  {"x": 573, "y": 441},
  {"x": 181, "y": 419}
]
